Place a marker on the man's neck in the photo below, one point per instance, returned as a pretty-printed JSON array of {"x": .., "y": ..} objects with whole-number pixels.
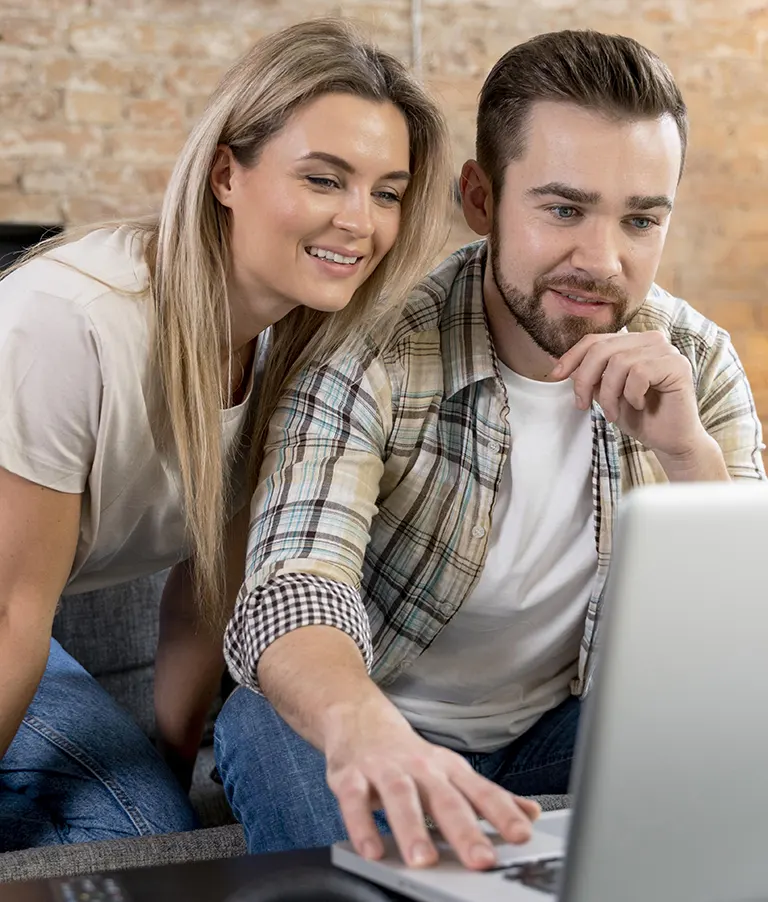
[{"x": 513, "y": 345}]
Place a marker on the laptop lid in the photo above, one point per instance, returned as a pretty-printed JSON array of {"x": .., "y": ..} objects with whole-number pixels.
[{"x": 672, "y": 760}]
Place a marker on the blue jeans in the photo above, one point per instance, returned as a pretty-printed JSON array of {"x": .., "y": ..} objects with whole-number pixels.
[
  {"x": 80, "y": 769},
  {"x": 275, "y": 781}
]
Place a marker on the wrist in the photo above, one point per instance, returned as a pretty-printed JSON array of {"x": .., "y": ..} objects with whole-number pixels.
[
  {"x": 701, "y": 459},
  {"x": 374, "y": 720}
]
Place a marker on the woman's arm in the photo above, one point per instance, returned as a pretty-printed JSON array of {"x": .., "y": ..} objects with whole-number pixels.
[
  {"x": 190, "y": 660},
  {"x": 38, "y": 538}
]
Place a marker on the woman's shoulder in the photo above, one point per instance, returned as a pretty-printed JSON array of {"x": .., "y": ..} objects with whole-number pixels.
[
  {"x": 94, "y": 284},
  {"x": 106, "y": 265}
]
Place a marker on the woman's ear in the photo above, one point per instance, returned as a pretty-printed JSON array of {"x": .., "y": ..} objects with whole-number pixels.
[
  {"x": 221, "y": 174},
  {"x": 476, "y": 198}
]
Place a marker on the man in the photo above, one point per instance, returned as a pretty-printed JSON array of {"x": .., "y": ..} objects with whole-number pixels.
[{"x": 438, "y": 511}]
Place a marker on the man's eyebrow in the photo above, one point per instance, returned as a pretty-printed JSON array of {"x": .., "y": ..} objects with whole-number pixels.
[
  {"x": 567, "y": 192},
  {"x": 649, "y": 201},
  {"x": 340, "y": 163}
]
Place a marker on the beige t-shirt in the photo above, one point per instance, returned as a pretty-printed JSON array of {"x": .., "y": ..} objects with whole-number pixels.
[{"x": 74, "y": 406}]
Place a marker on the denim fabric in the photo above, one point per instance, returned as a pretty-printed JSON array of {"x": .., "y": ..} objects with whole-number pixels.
[
  {"x": 275, "y": 781},
  {"x": 79, "y": 769}
]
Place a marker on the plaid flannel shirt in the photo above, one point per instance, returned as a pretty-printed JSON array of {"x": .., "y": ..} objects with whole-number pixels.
[{"x": 381, "y": 470}]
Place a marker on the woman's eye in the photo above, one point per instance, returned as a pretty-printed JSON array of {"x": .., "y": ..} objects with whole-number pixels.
[
  {"x": 388, "y": 197},
  {"x": 322, "y": 181}
]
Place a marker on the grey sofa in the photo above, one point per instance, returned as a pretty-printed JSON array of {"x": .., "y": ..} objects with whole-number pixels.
[{"x": 113, "y": 634}]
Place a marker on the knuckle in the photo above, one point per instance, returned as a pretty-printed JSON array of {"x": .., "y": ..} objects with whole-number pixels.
[
  {"x": 398, "y": 785},
  {"x": 349, "y": 784}
]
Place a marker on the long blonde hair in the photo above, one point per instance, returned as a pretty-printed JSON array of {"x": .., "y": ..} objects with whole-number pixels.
[{"x": 188, "y": 255}]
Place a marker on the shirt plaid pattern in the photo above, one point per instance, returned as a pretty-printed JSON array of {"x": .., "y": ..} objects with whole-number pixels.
[{"x": 382, "y": 467}]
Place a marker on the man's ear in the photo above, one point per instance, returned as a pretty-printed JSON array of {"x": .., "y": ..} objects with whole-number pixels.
[
  {"x": 221, "y": 174},
  {"x": 476, "y": 198}
]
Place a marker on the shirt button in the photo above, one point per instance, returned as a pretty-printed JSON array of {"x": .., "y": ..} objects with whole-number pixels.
[
  {"x": 494, "y": 446},
  {"x": 477, "y": 532}
]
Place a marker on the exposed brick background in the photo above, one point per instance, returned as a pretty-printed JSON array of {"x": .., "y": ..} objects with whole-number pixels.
[{"x": 96, "y": 97}]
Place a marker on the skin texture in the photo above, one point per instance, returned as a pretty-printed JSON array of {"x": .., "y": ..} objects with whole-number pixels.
[{"x": 585, "y": 211}]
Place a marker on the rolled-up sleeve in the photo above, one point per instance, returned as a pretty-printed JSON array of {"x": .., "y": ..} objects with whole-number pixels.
[
  {"x": 312, "y": 511},
  {"x": 727, "y": 410}
]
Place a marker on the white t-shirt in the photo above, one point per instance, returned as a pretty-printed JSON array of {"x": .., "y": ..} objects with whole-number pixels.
[
  {"x": 510, "y": 652},
  {"x": 74, "y": 405}
]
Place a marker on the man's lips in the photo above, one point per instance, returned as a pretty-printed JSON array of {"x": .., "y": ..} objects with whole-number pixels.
[{"x": 577, "y": 296}]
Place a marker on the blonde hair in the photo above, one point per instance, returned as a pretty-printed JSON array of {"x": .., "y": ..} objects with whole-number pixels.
[{"x": 188, "y": 254}]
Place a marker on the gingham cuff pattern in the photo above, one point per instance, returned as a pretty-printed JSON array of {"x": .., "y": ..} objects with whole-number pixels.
[{"x": 285, "y": 603}]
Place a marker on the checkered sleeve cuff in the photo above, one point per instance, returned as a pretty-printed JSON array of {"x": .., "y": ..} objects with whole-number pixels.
[{"x": 285, "y": 603}]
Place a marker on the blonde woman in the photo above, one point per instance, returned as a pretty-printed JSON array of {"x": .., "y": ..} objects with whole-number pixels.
[{"x": 137, "y": 363}]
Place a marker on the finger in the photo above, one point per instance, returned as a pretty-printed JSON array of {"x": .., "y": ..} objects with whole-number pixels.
[
  {"x": 510, "y": 815},
  {"x": 353, "y": 793},
  {"x": 613, "y": 382},
  {"x": 637, "y": 386},
  {"x": 572, "y": 359},
  {"x": 458, "y": 823},
  {"x": 588, "y": 375},
  {"x": 616, "y": 358},
  {"x": 530, "y": 807},
  {"x": 405, "y": 815}
]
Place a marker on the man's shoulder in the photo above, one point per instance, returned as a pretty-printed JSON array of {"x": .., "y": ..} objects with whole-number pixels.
[
  {"x": 685, "y": 327},
  {"x": 423, "y": 311}
]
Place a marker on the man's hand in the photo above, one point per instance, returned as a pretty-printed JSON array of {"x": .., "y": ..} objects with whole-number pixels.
[
  {"x": 378, "y": 763},
  {"x": 645, "y": 386}
]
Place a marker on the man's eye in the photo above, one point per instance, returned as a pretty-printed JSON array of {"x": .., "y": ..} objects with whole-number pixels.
[
  {"x": 642, "y": 223},
  {"x": 561, "y": 212}
]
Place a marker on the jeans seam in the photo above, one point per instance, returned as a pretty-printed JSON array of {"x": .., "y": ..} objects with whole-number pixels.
[
  {"x": 79, "y": 755},
  {"x": 219, "y": 751}
]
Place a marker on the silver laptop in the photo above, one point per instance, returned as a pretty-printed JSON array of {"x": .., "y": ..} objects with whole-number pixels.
[{"x": 671, "y": 770}]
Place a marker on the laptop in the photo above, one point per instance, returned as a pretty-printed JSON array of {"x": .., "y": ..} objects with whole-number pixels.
[{"x": 671, "y": 769}]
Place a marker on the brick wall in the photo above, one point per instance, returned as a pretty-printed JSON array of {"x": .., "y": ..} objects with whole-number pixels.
[{"x": 96, "y": 97}]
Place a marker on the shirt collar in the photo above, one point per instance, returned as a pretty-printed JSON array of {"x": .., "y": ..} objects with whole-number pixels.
[{"x": 468, "y": 354}]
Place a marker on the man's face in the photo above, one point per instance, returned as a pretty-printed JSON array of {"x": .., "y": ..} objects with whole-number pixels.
[{"x": 577, "y": 234}]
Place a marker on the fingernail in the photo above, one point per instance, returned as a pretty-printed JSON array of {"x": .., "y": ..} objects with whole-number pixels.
[
  {"x": 520, "y": 832},
  {"x": 557, "y": 370},
  {"x": 370, "y": 850},
  {"x": 420, "y": 855},
  {"x": 482, "y": 855},
  {"x": 579, "y": 401}
]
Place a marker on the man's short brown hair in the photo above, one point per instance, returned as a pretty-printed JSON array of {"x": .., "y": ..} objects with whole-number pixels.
[{"x": 610, "y": 74}]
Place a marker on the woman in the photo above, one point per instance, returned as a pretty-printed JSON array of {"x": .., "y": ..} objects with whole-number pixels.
[{"x": 315, "y": 184}]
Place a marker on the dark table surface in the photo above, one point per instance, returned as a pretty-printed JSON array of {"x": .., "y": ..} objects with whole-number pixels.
[{"x": 199, "y": 881}]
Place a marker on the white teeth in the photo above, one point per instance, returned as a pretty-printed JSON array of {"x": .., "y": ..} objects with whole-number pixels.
[{"x": 329, "y": 255}]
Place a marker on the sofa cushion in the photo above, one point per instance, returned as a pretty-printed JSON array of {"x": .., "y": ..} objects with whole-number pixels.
[
  {"x": 113, "y": 633},
  {"x": 121, "y": 854}
]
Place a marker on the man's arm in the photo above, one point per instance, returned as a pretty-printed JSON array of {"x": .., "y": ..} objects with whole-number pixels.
[
  {"x": 38, "y": 537},
  {"x": 317, "y": 681},
  {"x": 190, "y": 660},
  {"x": 300, "y": 632}
]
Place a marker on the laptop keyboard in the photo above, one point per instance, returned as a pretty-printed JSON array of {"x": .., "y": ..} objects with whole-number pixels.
[
  {"x": 94, "y": 888},
  {"x": 544, "y": 874}
]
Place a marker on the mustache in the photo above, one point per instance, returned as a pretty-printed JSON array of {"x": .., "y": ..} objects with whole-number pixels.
[{"x": 575, "y": 283}]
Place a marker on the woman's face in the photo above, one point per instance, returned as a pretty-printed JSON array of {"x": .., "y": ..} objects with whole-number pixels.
[{"x": 320, "y": 208}]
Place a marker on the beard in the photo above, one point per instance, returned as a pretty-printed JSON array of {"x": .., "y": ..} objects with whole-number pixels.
[{"x": 556, "y": 336}]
